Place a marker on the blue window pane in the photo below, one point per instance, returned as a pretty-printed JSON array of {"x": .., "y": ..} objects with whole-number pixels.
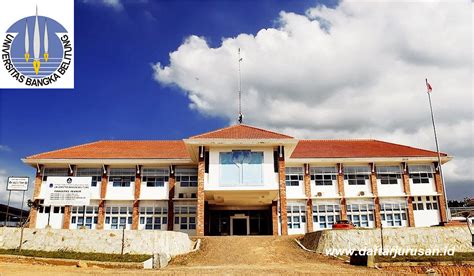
[{"x": 240, "y": 167}]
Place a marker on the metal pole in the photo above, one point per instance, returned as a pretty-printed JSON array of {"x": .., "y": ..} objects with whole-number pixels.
[
  {"x": 21, "y": 210},
  {"x": 49, "y": 214},
  {"x": 22, "y": 230},
  {"x": 8, "y": 207},
  {"x": 381, "y": 234},
  {"x": 84, "y": 218},
  {"x": 123, "y": 240},
  {"x": 439, "y": 155}
]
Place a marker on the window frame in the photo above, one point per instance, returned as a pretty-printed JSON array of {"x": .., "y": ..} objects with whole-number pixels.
[
  {"x": 389, "y": 175},
  {"x": 187, "y": 177},
  {"x": 293, "y": 176},
  {"x": 296, "y": 215},
  {"x": 420, "y": 174},
  {"x": 95, "y": 173},
  {"x": 326, "y": 215},
  {"x": 389, "y": 212},
  {"x": 362, "y": 209},
  {"x": 153, "y": 217},
  {"x": 81, "y": 214},
  {"x": 117, "y": 213},
  {"x": 185, "y": 217},
  {"x": 357, "y": 175},
  {"x": 327, "y": 175}
]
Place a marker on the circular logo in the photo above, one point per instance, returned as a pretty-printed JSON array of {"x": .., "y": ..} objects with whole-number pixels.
[
  {"x": 69, "y": 180},
  {"x": 38, "y": 49},
  {"x": 51, "y": 185}
]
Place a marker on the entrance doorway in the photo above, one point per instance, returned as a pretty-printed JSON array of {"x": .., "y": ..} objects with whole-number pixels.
[
  {"x": 239, "y": 225},
  {"x": 220, "y": 221}
]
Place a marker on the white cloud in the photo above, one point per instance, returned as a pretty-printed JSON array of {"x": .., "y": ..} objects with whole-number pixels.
[
  {"x": 356, "y": 70},
  {"x": 5, "y": 148},
  {"x": 115, "y": 4}
]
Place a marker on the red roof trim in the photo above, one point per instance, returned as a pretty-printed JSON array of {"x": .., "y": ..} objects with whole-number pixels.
[
  {"x": 120, "y": 149},
  {"x": 241, "y": 132},
  {"x": 356, "y": 149}
]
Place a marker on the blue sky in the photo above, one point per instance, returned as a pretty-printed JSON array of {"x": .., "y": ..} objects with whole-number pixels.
[{"x": 116, "y": 95}]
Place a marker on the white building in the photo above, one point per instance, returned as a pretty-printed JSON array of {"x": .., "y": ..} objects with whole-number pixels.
[{"x": 242, "y": 180}]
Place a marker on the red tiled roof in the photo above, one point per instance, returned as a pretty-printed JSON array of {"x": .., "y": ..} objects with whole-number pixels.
[
  {"x": 241, "y": 132},
  {"x": 120, "y": 149},
  {"x": 356, "y": 149}
]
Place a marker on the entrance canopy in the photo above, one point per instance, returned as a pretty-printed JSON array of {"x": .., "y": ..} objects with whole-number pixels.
[{"x": 241, "y": 197}]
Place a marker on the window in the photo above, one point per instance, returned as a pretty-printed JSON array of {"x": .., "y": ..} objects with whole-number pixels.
[
  {"x": 361, "y": 215},
  {"x": 356, "y": 175},
  {"x": 95, "y": 173},
  {"x": 431, "y": 203},
  {"x": 153, "y": 217},
  {"x": 241, "y": 167},
  {"x": 155, "y": 177},
  {"x": 49, "y": 209},
  {"x": 55, "y": 172},
  {"x": 119, "y": 217},
  {"x": 293, "y": 176},
  {"x": 122, "y": 177},
  {"x": 296, "y": 215},
  {"x": 420, "y": 203},
  {"x": 394, "y": 214},
  {"x": 323, "y": 176},
  {"x": 185, "y": 217},
  {"x": 84, "y": 216},
  {"x": 187, "y": 177},
  {"x": 389, "y": 175},
  {"x": 420, "y": 174},
  {"x": 326, "y": 215}
]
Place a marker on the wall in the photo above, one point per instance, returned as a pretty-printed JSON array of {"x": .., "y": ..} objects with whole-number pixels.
[
  {"x": 55, "y": 217},
  {"x": 95, "y": 191},
  {"x": 458, "y": 238},
  {"x": 423, "y": 189},
  {"x": 99, "y": 241},
  {"x": 120, "y": 193},
  {"x": 295, "y": 192},
  {"x": 426, "y": 217},
  {"x": 354, "y": 190},
  {"x": 328, "y": 191},
  {"x": 153, "y": 193},
  {"x": 390, "y": 189}
]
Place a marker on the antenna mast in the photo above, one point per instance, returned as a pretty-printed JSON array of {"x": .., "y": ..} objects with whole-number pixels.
[{"x": 241, "y": 116}]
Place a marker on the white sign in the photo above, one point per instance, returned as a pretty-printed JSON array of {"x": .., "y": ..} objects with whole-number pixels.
[
  {"x": 67, "y": 190},
  {"x": 17, "y": 183},
  {"x": 37, "y": 44}
]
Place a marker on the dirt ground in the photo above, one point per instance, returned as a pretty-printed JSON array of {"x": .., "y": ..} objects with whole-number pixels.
[
  {"x": 259, "y": 255},
  {"x": 224, "y": 256}
]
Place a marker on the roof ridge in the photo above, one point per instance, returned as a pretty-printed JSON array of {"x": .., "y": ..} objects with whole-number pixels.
[
  {"x": 213, "y": 131},
  {"x": 392, "y": 143},
  {"x": 341, "y": 140},
  {"x": 72, "y": 147},
  {"x": 266, "y": 130},
  {"x": 234, "y": 126},
  {"x": 141, "y": 140}
]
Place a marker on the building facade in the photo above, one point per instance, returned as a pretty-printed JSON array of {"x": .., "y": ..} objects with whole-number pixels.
[{"x": 243, "y": 180}]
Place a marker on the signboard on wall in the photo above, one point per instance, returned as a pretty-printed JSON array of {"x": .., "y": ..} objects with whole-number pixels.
[
  {"x": 67, "y": 190},
  {"x": 17, "y": 183}
]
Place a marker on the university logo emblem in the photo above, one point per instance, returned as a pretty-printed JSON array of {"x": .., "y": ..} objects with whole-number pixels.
[{"x": 37, "y": 52}]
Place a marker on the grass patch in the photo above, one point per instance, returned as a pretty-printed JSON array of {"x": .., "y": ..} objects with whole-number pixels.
[
  {"x": 100, "y": 257},
  {"x": 458, "y": 257}
]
